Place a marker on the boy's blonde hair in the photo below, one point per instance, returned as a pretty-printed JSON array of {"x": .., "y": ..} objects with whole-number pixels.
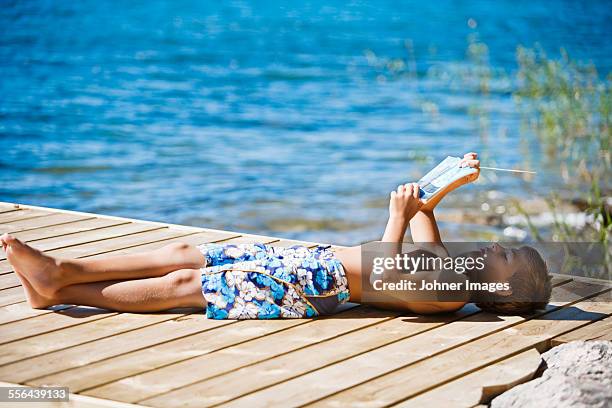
[{"x": 531, "y": 288}]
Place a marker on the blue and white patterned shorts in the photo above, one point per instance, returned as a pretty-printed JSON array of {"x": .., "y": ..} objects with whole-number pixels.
[{"x": 257, "y": 281}]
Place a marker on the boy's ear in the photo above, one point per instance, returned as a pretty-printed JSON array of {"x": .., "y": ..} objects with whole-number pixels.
[{"x": 506, "y": 292}]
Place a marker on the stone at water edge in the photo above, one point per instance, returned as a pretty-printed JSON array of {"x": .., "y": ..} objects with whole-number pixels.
[
  {"x": 587, "y": 360},
  {"x": 578, "y": 374}
]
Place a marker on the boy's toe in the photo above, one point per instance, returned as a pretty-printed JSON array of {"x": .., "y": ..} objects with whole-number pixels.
[{"x": 7, "y": 239}]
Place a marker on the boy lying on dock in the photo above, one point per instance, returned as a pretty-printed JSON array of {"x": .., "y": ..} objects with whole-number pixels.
[{"x": 257, "y": 281}]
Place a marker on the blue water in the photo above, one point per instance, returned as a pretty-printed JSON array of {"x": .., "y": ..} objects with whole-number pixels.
[{"x": 263, "y": 116}]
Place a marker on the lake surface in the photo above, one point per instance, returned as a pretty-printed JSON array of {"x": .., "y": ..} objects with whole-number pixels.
[{"x": 266, "y": 118}]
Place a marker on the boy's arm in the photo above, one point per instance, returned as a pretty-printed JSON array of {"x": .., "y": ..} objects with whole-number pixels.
[
  {"x": 424, "y": 230},
  {"x": 395, "y": 229},
  {"x": 423, "y": 225},
  {"x": 404, "y": 207},
  {"x": 404, "y": 203}
]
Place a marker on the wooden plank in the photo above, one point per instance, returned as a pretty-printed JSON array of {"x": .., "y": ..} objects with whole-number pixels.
[
  {"x": 11, "y": 295},
  {"x": 39, "y": 369},
  {"x": 49, "y": 322},
  {"x": 299, "y": 348},
  {"x": 6, "y": 207},
  {"x": 382, "y": 360},
  {"x": 39, "y": 222},
  {"x": 262, "y": 239},
  {"x": 291, "y": 242},
  {"x": 111, "y": 244},
  {"x": 595, "y": 281},
  {"x": 205, "y": 392},
  {"x": 79, "y": 238},
  {"x": 600, "y": 330},
  {"x": 21, "y": 215},
  {"x": 9, "y": 210},
  {"x": 408, "y": 381},
  {"x": 191, "y": 238},
  {"x": 55, "y": 231},
  {"x": 557, "y": 280},
  {"x": 251, "y": 239},
  {"x": 74, "y": 401},
  {"x": 8, "y": 280},
  {"x": 83, "y": 333},
  {"x": 149, "y": 354},
  {"x": 480, "y": 386},
  {"x": 21, "y": 310},
  {"x": 125, "y": 219},
  {"x": 249, "y": 344}
]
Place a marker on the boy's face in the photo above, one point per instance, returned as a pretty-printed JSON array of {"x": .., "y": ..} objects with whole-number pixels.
[{"x": 501, "y": 263}]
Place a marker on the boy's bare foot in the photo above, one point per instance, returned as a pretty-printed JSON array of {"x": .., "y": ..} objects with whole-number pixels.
[
  {"x": 39, "y": 273},
  {"x": 35, "y": 300}
]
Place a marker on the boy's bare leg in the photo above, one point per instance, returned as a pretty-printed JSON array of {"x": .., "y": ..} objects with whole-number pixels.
[
  {"x": 181, "y": 288},
  {"x": 47, "y": 275},
  {"x": 133, "y": 266}
]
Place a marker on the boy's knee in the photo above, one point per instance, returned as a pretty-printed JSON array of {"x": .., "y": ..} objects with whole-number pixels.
[
  {"x": 178, "y": 248},
  {"x": 185, "y": 288},
  {"x": 184, "y": 281},
  {"x": 184, "y": 255}
]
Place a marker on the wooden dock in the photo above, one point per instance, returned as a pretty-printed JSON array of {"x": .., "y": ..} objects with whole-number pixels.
[{"x": 360, "y": 357}]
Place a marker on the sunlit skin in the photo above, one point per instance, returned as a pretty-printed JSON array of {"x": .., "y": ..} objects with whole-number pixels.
[
  {"x": 405, "y": 211},
  {"x": 170, "y": 276},
  {"x": 501, "y": 262}
]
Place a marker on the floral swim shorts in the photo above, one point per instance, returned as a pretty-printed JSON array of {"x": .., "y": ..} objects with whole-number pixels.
[{"x": 257, "y": 281}]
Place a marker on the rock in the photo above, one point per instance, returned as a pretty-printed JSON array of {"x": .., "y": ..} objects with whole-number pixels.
[
  {"x": 587, "y": 360},
  {"x": 578, "y": 374}
]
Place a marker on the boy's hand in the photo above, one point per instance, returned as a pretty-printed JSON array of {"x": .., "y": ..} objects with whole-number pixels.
[
  {"x": 405, "y": 202},
  {"x": 471, "y": 160}
]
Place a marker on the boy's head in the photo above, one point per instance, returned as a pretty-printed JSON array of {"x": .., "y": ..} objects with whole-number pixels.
[{"x": 525, "y": 271}]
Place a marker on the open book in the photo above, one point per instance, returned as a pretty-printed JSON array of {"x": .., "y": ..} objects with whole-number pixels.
[{"x": 444, "y": 178}]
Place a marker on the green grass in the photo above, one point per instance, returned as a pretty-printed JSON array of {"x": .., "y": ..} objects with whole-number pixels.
[{"x": 566, "y": 105}]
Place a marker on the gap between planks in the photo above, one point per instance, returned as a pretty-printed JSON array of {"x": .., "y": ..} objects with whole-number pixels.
[
  {"x": 481, "y": 385},
  {"x": 79, "y": 375},
  {"x": 393, "y": 328},
  {"x": 197, "y": 393},
  {"x": 461, "y": 361}
]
